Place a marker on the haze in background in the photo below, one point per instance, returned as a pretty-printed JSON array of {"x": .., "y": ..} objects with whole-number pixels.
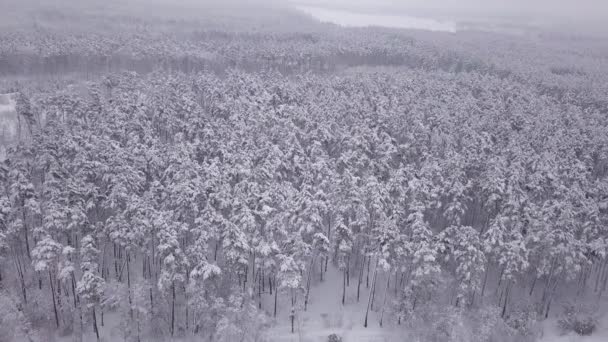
[{"x": 589, "y": 16}]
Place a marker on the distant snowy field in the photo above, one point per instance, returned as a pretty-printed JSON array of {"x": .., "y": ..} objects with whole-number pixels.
[
  {"x": 8, "y": 122},
  {"x": 352, "y": 19}
]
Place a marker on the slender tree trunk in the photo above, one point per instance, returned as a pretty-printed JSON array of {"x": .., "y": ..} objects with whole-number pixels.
[
  {"x": 308, "y": 280},
  {"x": 51, "y": 282},
  {"x": 348, "y": 270},
  {"x": 129, "y": 287},
  {"x": 388, "y": 280},
  {"x": 374, "y": 285},
  {"x": 26, "y": 233},
  {"x": 115, "y": 262},
  {"x": 270, "y": 284},
  {"x": 20, "y": 273},
  {"x": 485, "y": 281},
  {"x": 329, "y": 239},
  {"x": 260, "y": 282},
  {"x": 95, "y": 325},
  {"x": 188, "y": 310},
  {"x": 369, "y": 261},
  {"x": 74, "y": 290},
  {"x": 360, "y": 278},
  {"x": 276, "y": 293},
  {"x": 173, "y": 309},
  {"x": 369, "y": 299},
  {"x": 533, "y": 285},
  {"x": 323, "y": 260},
  {"x": 292, "y": 313},
  {"x": 343, "y": 286},
  {"x": 550, "y": 299},
  {"x": 507, "y": 292}
]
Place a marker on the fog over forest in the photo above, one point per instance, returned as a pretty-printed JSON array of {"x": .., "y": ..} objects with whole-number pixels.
[{"x": 303, "y": 170}]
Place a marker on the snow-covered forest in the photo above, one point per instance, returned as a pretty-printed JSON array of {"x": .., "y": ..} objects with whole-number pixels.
[{"x": 250, "y": 174}]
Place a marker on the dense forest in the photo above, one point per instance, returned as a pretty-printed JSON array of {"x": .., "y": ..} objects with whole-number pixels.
[{"x": 187, "y": 178}]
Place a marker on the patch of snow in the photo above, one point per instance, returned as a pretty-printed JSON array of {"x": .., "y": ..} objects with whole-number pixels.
[
  {"x": 326, "y": 315},
  {"x": 8, "y": 122},
  {"x": 551, "y": 333}
]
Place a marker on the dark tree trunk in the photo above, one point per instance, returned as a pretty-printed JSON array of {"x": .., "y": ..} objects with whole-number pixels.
[
  {"x": 343, "y": 287},
  {"x": 348, "y": 270},
  {"x": 95, "y": 325},
  {"x": 53, "y": 296},
  {"x": 173, "y": 309},
  {"x": 369, "y": 261},
  {"x": 360, "y": 278},
  {"x": 276, "y": 293},
  {"x": 369, "y": 299}
]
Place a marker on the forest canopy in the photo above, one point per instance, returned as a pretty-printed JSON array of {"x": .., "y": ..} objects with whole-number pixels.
[{"x": 197, "y": 176}]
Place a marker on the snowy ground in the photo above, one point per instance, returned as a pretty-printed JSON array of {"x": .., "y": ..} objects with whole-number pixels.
[
  {"x": 326, "y": 315},
  {"x": 552, "y": 333},
  {"x": 8, "y": 122}
]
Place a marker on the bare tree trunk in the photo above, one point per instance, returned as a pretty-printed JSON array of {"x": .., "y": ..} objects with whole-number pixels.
[
  {"x": 26, "y": 233},
  {"x": 260, "y": 282},
  {"x": 173, "y": 309},
  {"x": 384, "y": 301},
  {"x": 323, "y": 260},
  {"x": 270, "y": 284},
  {"x": 276, "y": 293},
  {"x": 343, "y": 286},
  {"x": 53, "y": 296},
  {"x": 292, "y": 313},
  {"x": 369, "y": 261},
  {"x": 483, "y": 287},
  {"x": 369, "y": 300},
  {"x": 360, "y": 278},
  {"x": 95, "y": 324},
  {"x": 374, "y": 285},
  {"x": 329, "y": 239},
  {"x": 20, "y": 272},
  {"x": 533, "y": 285},
  {"x": 348, "y": 270},
  {"x": 507, "y": 292}
]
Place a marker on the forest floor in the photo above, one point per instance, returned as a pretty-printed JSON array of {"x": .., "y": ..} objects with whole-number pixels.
[
  {"x": 325, "y": 314},
  {"x": 551, "y": 333}
]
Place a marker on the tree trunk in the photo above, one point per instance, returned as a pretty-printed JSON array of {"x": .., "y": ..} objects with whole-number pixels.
[
  {"x": 504, "y": 306},
  {"x": 374, "y": 285},
  {"x": 369, "y": 261},
  {"x": 293, "y": 310},
  {"x": 343, "y": 286},
  {"x": 260, "y": 282},
  {"x": 369, "y": 299},
  {"x": 533, "y": 285},
  {"x": 384, "y": 301},
  {"x": 53, "y": 296},
  {"x": 348, "y": 270},
  {"x": 360, "y": 278},
  {"x": 270, "y": 284},
  {"x": 329, "y": 239},
  {"x": 308, "y": 280},
  {"x": 26, "y": 234},
  {"x": 276, "y": 293},
  {"x": 483, "y": 287},
  {"x": 173, "y": 309},
  {"x": 95, "y": 325}
]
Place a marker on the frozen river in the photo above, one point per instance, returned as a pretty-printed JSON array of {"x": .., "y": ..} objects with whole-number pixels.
[{"x": 353, "y": 19}]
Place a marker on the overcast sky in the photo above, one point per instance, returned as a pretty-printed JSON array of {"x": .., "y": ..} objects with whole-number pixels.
[{"x": 565, "y": 9}]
